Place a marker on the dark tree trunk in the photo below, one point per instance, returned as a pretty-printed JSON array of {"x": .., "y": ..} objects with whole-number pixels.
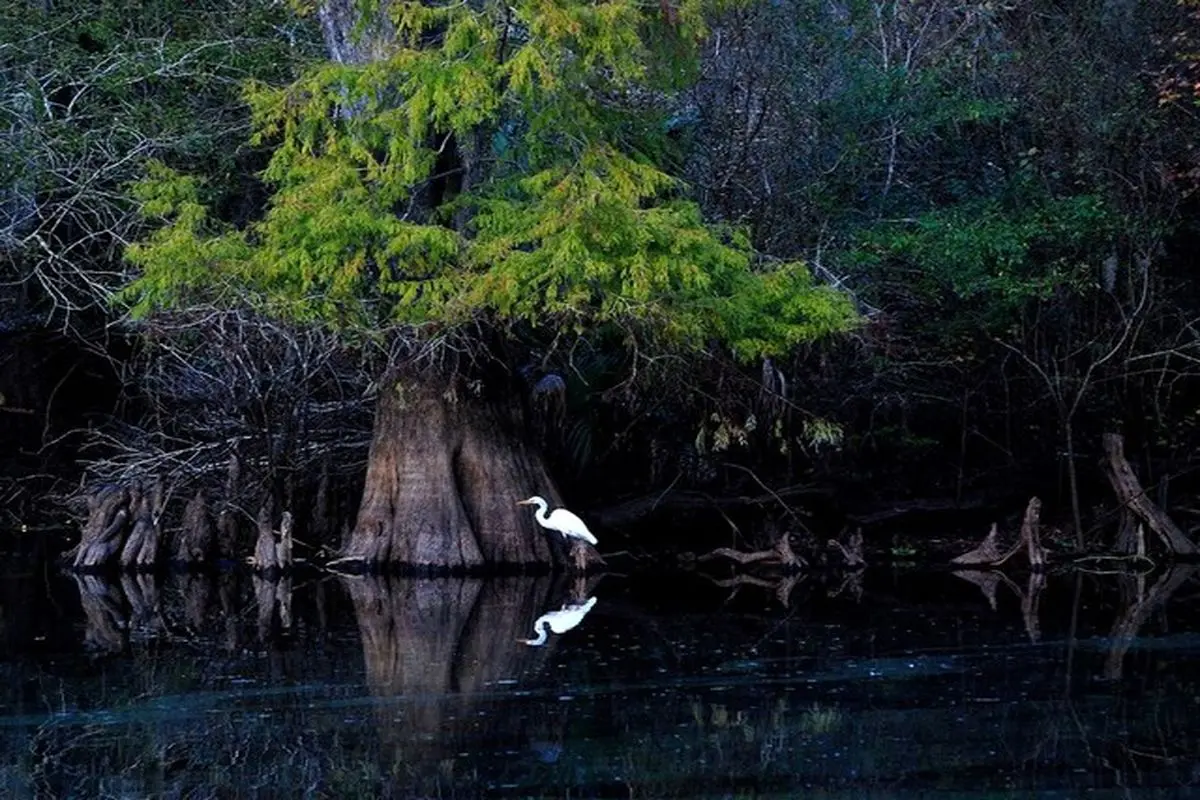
[
  {"x": 103, "y": 532},
  {"x": 141, "y": 548},
  {"x": 227, "y": 524},
  {"x": 444, "y": 475},
  {"x": 197, "y": 535}
]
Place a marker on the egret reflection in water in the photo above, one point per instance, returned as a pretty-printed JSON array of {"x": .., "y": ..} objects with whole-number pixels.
[{"x": 561, "y": 621}]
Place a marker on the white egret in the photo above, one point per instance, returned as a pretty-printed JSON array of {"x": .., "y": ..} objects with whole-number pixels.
[
  {"x": 561, "y": 520},
  {"x": 559, "y": 621}
]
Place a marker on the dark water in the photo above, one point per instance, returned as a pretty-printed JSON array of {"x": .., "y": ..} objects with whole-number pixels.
[{"x": 902, "y": 683}]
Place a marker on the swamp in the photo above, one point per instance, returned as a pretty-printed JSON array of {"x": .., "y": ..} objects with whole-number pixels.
[
  {"x": 576, "y": 398},
  {"x": 906, "y": 681}
]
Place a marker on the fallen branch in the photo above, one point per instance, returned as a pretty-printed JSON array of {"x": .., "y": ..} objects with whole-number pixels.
[{"x": 780, "y": 555}]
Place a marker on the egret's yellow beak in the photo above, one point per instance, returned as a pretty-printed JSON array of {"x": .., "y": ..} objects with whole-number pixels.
[{"x": 524, "y": 503}]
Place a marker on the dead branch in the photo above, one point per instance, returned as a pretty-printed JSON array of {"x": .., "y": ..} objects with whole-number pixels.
[
  {"x": 675, "y": 501},
  {"x": 1132, "y": 496},
  {"x": 781, "y": 555},
  {"x": 852, "y": 551}
]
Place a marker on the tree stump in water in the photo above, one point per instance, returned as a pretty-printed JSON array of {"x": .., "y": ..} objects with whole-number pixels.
[
  {"x": 197, "y": 536},
  {"x": 269, "y": 554},
  {"x": 284, "y": 549},
  {"x": 141, "y": 548},
  {"x": 265, "y": 557},
  {"x": 101, "y": 539},
  {"x": 1133, "y": 497},
  {"x": 227, "y": 523},
  {"x": 988, "y": 553}
]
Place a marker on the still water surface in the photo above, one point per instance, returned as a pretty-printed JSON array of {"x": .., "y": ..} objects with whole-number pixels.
[{"x": 898, "y": 683}]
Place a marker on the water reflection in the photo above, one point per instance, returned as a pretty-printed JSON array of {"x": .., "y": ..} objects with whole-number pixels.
[
  {"x": 1139, "y": 604},
  {"x": 564, "y": 619},
  {"x": 223, "y": 685},
  {"x": 989, "y": 580}
]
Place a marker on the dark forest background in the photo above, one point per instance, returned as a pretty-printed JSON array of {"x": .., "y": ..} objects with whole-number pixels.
[{"x": 1005, "y": 191}]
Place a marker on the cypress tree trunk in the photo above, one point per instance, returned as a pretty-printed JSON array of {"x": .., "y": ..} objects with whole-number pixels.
[
  {"x": 445, "y": 471},
  {"x": 446, "y": 467}
]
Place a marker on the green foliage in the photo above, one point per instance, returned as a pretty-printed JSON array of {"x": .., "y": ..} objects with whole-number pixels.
[
  {"x": 567, "y": 218},
  {"x": 1000, "y": 254}
]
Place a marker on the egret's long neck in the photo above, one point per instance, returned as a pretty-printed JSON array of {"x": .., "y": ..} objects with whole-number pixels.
[
  {"x": 541, "y": 513},
  {"x": 541, "y": 626}
]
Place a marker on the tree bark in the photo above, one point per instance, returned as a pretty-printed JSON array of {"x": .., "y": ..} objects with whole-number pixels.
[
  {"x": 103, "y": 532},
  {"x": 349, "y": 37},
  {"x": 284, "y": 549},
  {"x": 141, "y": 548},
  {"x": 444, "y": 474}
]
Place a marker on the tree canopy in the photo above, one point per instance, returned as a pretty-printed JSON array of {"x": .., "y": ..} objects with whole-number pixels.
[
  {"x": 511, "y": 161},
  {"x": 88, "y": 92}
]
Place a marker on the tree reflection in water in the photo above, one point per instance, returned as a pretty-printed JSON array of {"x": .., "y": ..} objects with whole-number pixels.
[
  {"x": 385, "y": 687},
  {"x": 438, "y": 652}
]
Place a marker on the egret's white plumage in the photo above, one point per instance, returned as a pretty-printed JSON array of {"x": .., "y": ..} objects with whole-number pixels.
[
  {"x": 560, "y": 621},
  {"x": 561, "y": 520}
]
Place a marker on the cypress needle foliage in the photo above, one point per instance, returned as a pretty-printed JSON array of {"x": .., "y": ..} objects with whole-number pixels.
[{"x": 548, "y": 116}]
